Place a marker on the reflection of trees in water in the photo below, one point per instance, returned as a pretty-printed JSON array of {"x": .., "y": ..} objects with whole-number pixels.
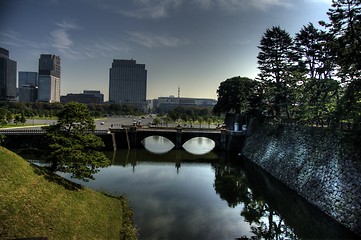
[
  {"x": 232, "y": 186},
  {"x": 265, "y": 222}
]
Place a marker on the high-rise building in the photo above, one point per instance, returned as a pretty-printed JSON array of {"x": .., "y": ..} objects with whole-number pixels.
[
  {"x": 128, "y": 83},
  {"x": 28, "y": 78},
  {"x": 7, "y": 76},
  {"x": 28, "y": 86},
  {"x": 49, "y": 78}
]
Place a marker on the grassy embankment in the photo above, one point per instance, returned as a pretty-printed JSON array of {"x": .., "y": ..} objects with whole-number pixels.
[{"x": 38, "y": 203}]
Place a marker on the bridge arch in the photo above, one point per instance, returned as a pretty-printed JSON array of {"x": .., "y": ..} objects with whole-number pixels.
[
  {"x": 216, "y": 138},
  {"x": 157, "y": 144},
  {"x": 199, "y": 145},
  {"x": 177, "y": 136}
]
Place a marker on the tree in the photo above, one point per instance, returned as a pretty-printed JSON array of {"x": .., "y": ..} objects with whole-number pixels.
[
  {"x": 278, "y": 63},
  {"x": 72, "y": 146},
  {"x": 19, "y": 118},
  {"x": 317, "y": 90},
  {"x": 349, "y": 107},
  {"x": 234, "y": 95},
  {"x": 312, "y": 45},
  {"x": 3, "y": 113},
  {"x": 345, "y": 27}
]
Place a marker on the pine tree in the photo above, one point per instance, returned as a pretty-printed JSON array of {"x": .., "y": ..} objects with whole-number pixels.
[
  {"x": 278, "y": 63},
  {"x": 72, "y": 147}
]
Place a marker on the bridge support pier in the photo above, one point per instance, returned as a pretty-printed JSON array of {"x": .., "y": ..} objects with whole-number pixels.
[
  {"x": 223, "y": 143},
  {"x": 133, "y": 137},
  {"x": 178, "y": 142}
]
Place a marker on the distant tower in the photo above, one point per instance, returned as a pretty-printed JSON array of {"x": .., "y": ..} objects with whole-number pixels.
[
  {"x": 7, "y": 76},
  {"x": 128, "y": 83},
  {"x": 28, "y": 86},
  {"x": 178, "y": 92},
  {"x": 49, "y": 78}
]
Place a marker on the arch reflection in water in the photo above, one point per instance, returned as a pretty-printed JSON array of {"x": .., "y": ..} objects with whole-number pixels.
[
  {"x": 157, "y": 144},
  {"x": 199, "y": 145}
]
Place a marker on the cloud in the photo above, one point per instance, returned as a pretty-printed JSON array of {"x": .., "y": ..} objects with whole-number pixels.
[
  {"x": 320, "y": 1},
  {"x": 151, "y": 40},
  {"x": 146, "y": 12},
  {"x": 155, "y": 9},
  {"x": 68, "y": 25},
  {"x": 241, "y": 5},
  {"x": 61, "y": 39},
  {"x": 103, "y": 47},
  {"x": 264, "y": 4},
  {"x": 236, "y": 5},
  {"x": 143, "y": 9},
  {"x": 67, "y": 46},
  {"x": 205, "y": 4},
  {"x": 61, "y": 43},
  {"x": 13, "y": 38}
]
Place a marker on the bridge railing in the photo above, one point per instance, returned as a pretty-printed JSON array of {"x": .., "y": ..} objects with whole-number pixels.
[
  {"x": 30, "y": 131},
  {"x": 22, "y": 131},
  {"x": 166, "y": 128}
]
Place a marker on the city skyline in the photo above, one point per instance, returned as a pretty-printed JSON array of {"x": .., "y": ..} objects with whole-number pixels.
[{"x": 193, "y": 44}]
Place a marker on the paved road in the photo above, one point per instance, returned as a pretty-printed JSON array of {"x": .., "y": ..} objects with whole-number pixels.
[
  {"x": 101, "y": 124},
  {"x": 106, "y": 123}
]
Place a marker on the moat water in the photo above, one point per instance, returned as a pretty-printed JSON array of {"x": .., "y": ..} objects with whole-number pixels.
[{"x": 205, "y": 195}]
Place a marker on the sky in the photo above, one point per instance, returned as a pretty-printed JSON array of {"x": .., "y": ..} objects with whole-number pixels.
[{"x": 191, "y": 44}]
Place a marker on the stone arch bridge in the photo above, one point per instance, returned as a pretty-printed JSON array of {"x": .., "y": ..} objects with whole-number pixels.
[
  {"x": 224, "y": 140},
  {"x": 132, "y": 137}
]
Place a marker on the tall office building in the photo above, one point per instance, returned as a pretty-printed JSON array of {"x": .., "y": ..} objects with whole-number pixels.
[
  {"x": 49, "y": 78},
  {"x": 128, "y": 83},
  {"x": 28, "y": 78},
  {"x": 28, "y": 86},
  {"x": 7, "y": 76}
]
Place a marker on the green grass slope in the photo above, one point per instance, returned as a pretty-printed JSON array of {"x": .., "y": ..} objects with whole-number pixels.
[{"x": 37, "y": 203}]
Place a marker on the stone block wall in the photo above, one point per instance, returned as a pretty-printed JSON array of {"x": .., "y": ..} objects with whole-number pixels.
[{"x": 316, "y": 163}]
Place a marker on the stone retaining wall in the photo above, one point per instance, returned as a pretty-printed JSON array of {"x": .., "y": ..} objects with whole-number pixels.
[{"x": 316, "y": 163}]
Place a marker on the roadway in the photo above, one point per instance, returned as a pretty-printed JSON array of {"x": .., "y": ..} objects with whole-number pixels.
[
  {"x": 106, "y": 123},
  {"x": 101, "y": 124}
]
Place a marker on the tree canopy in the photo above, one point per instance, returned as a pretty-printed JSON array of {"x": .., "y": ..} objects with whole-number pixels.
[
  {"x": 278, "y": 63},
  {"x": 72, "y": 146},
  {"x": 234, "y": 95},
  {"x": 345, "y": 29},
  {"x": 313, "y": 77}
]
